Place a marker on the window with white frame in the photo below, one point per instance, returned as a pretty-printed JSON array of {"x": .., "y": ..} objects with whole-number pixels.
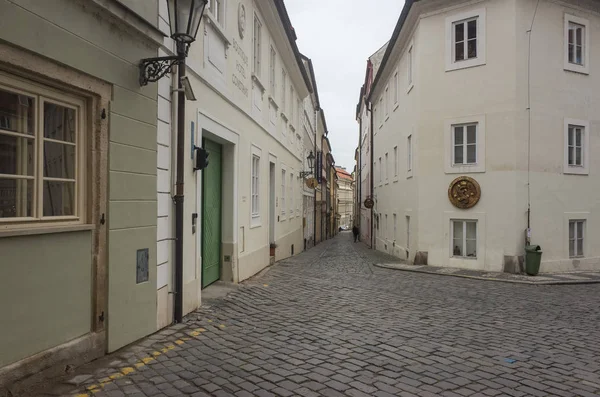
[
  {"x": 465, "y": 40},
  {"x": 283, "y": 209},
  {"x": 283, "y": 89},
  {"x": 381, "y": 111},
  {"x": 291, "y": 194},
  {"x": 272, "y": 65},
  {"x": 395, "y": 227},
  {"x": 299, "y": 106},
  {"x": 577, "y": 44},
  {"x": 395, "y": 160},
  {"x": 41, "y": 155},
  {"x": 576, "y": 236},
  {"x": 292, "y": 113},
  {"x": 217, "y": 9},
  {"x": 464, "y": 239},
  {"x": 255, "y": 186},
  {"x": 257, "y": 41},
  {"x": 464, "y": 144},
  {"x": 410, "y": 66},
  {"x": 387, "y": 101},
  {"x": 577, "y": 147},
  {"x": 385, "y": 227},
  {"x": 409, "y": 153},
  {"x": 387, "y": 168},
  {"x": 575, "y": 137},
  {"x": 380, "y": 171},
  {"x": 396, "y": 88}
]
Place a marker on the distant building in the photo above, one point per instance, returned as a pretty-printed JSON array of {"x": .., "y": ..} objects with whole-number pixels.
[{"x": 345, "y": 198}]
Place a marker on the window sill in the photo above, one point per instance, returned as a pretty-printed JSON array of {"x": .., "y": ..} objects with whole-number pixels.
[
  {"x": 571, "y": 67},
  {"x": 258, "y": 82},
  {"x": 409, "y": 89},
  {"x": 217, "y": 27},
  {"x": 571, "y": 170},
  {"x": 31, "y": 231},
  {"x": 396, "y": 106},
  {"x": 284, "y": 117},
  {"x": 395, "y": 180},
  {"x": 387, "y": 117},
  {"x": 255, "y": 222},
  {"x": 273, "y": 102},
  {"x": 465, "y": 64}
]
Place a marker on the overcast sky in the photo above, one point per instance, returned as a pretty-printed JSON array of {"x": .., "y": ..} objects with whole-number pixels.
[{"x": 339, "y": 36}]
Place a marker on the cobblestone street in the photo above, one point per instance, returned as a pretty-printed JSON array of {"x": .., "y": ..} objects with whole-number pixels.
[{"x": 328, "y": 322}]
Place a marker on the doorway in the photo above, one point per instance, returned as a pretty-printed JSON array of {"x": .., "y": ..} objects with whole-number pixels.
[
  {"x": 271, "y": 202},
  {"x": 211, "y": 214}
]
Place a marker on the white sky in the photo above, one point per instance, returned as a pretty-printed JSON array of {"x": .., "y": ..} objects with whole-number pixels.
[{"x": 339, "y": 36}]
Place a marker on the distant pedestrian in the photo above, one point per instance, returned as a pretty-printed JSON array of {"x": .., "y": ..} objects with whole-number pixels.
[{"x": 355, "y": 232}]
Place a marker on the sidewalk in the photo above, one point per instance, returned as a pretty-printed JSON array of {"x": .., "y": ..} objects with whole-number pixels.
[{"x": 577, "y": 277}]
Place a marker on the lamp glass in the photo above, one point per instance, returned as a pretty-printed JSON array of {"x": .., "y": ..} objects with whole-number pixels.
[
  {"x": 185, "y": 17},
  {"x": 311, "y": 160}
]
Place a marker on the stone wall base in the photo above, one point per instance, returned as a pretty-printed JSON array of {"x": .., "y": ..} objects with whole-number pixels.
[
  {"x": 420, "y": 258},
  {"x": 29, "y": 373},
  {"x": 514, "y": 264}
]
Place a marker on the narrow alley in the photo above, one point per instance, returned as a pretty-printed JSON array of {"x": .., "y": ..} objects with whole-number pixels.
[{"x": 328, "y": 322}]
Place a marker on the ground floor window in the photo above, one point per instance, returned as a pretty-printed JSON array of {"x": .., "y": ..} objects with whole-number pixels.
[
  {"x": 464, "y": 239},
  {"x": 576, "y": 235},
  {"x": 41, "y": 153}
]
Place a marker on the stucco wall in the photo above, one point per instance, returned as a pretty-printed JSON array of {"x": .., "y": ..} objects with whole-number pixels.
[
  {"x": 46, "y": 296},
  {"x": 64, "y": 30}
]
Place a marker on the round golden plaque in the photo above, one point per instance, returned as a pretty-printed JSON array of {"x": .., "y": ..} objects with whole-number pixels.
[
  {"x": 312, "y": 183},
  {"x": 464, "y": 192}
]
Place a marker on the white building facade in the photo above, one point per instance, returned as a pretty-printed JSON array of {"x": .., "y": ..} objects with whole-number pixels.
[
  {"x": 459, "y": 97},
  {"x": 250, "y": 83}
]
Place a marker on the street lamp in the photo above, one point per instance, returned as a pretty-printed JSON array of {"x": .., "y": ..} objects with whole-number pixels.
[
  {"x": 311, "y": 165},
  {"x": 184, "y": 18}
]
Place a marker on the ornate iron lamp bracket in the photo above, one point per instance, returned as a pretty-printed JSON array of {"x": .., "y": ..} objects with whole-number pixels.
[
  {"x": 153, "y": 69},
  {"x": 304, "y": 174}
]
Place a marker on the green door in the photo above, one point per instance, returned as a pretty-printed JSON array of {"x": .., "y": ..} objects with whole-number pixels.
[{"x": 211, "y": 215}]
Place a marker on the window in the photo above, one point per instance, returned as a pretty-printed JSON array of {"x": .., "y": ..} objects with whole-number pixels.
[
  {"x": 380, "y": 112},
  {"x": 283, "y": 175},
  {"x": 217, "y": 10},
  {"x": 41, "y": 156},
  {"x": 410, "y": 67},
  {"x": 395, "y": 227},
  {"x": 385, "y": 227},
  {"x": 257, "y": 45},
  {"x": 255, "y": 186},
  {"x": 577, "y": 44},
  {"x": 395, "y": 160},
  {"x": 407, "y": 233},
  {"x": 465, "y": 40},
  {"x": 577, "y": 140},
  {"x": 464, "y": 239},
  {"x": 409, "y": 153},
  {"x": 292, "y": 117},
  {"x": 464, "y": 143},
  {"x": 576, "y": 235},
  {"x": 380, "y": 171},
  {"x": 575, "y": 145},
  {"x": 299, "y": 105},
  {"x": 272, "y": 62},
  {"x": 396, "y": 88},
  {"x": 387, "y": 172},
  {"x": 283, "y": 89},
  {"x": 291, "y": 195},
  {"x": 387, "y": 102}
]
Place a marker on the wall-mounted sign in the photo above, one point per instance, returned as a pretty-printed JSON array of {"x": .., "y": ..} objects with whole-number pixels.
[
  {"x": 312, "y": 183},
  {"x": 242, "y": 20},
  {"x": 369, "y": 203},
  {"x": 319, "y": 167},
  {"x": 464, "y": 192}
]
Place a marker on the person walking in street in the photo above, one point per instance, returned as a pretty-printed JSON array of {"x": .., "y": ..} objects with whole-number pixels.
[{"x": 355, "y": 233}]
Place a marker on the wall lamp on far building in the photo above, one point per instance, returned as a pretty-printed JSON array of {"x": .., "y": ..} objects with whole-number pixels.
[
  {"x": 184, "y": 18},
  {"x": 311, "y": 164}
]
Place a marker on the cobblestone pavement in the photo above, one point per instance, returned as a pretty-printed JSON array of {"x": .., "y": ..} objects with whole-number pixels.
[{"x": 329, "y": 323}]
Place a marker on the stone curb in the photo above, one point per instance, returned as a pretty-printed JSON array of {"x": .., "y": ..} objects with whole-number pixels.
[{"x": 501, "y": 280}]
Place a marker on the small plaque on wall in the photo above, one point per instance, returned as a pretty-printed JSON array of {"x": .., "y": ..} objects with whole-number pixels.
[{"x": 142, "y": 266}]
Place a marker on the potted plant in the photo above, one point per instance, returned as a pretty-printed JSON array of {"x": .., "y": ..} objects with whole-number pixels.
[{"x": 272, "y": 247}]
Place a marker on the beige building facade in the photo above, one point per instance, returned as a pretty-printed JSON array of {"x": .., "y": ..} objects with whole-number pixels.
[
  {"x": 345, "y": 198},
  {"x": 455, "y": 97}
]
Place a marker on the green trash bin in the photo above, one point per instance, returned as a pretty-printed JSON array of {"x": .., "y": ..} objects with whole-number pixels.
[{"x": 533, "y": 258}]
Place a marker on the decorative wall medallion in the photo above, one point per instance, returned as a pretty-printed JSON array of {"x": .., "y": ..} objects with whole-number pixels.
[
  {"x": 369, "y": 203},
  {"x": 464, "y": 192},
  {"x": 312, "y": 183},
  {"x": 242, "y": 20}
]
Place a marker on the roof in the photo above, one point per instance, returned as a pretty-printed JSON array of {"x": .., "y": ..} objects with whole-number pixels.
[
  {"x": 343, "y": 174},
  {"x": 392, "y": 43},
  {"x": 291, "y": 34},
  {"x": 313, "y": 79}
]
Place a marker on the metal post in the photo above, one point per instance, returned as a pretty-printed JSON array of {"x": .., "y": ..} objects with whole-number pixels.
[{"x": 178, "y": 312}]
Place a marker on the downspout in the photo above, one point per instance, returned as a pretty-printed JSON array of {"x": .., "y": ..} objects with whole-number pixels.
[
  {"x": 370, "y": 111},
  {"x": 315, "y": 192},
  {"x": 359, "y": 173}
]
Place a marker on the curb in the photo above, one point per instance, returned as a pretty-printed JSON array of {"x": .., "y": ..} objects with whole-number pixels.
[{"x": 501, "y": 280}]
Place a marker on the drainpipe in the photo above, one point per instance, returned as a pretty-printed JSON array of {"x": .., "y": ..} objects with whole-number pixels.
[
  {"x": 315, "y": 192},
  {"x": 359, "y": 174},
  {"x": 370, "y": 112}
]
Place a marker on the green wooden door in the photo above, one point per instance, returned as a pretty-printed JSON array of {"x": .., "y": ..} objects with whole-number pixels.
[{"x": 211, "y": 215}]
